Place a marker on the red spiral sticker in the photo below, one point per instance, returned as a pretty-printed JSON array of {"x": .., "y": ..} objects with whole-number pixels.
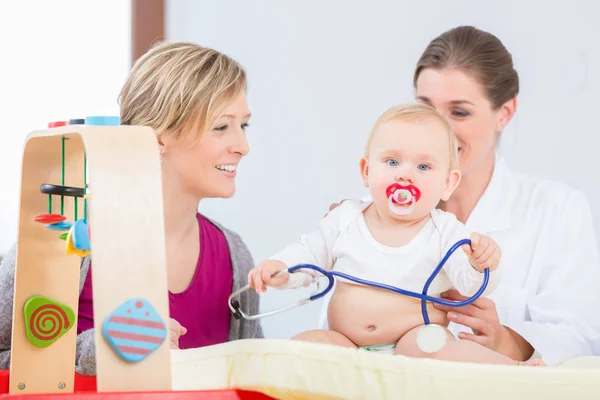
[{"x": 46, "y": 320}]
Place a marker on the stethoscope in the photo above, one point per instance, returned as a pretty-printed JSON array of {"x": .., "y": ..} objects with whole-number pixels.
[{"x": 431, "y": 337}]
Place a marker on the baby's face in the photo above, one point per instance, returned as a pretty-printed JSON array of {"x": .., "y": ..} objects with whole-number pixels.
[{"x": 415, "y": 155}]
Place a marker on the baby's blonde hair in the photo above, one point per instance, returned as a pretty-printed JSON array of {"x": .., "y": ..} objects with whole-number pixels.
[
  {"x": 417, "y": 112},
  {"x": 180, "y": 87}
]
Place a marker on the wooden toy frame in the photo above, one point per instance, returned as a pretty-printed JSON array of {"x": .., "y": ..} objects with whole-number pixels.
[{"x": 127, "y": 235}]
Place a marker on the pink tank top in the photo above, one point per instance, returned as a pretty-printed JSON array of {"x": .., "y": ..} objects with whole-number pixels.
[{"x": 202, "y": 308}]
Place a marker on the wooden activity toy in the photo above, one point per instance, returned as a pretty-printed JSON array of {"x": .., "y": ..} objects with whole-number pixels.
[{"x": 126, "y": 266}]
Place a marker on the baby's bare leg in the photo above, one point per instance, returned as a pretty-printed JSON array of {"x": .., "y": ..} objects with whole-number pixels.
[
  {"x": 325, "y": 336},
  {"x": 454, "y": 350}
]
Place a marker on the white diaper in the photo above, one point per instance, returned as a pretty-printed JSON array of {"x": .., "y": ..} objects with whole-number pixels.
[{"x": 387, "y": 349}]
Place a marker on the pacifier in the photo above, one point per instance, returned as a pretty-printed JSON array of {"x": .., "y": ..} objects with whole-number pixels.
[{"x": 400, "y": 194}]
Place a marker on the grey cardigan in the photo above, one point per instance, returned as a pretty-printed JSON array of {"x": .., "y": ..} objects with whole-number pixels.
[{"x": 85, "y": 355}]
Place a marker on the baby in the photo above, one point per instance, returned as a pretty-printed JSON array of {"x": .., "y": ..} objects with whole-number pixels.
[{"x": 397, "y": 238}]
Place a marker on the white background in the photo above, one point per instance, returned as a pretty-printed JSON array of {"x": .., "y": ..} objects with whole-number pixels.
[
  {"x": 60, "y": 59},
  {"x": 322, "y": 71}
]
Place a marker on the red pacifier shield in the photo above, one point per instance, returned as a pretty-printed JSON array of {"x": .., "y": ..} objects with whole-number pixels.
[{"x": 414, "y": 191}]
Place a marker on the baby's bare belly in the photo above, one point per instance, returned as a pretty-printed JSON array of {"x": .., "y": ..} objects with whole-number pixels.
[{"x": 370, "y": 316}]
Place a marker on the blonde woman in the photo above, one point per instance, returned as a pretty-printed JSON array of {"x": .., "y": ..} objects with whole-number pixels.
[{"x": 195, "y": 99}]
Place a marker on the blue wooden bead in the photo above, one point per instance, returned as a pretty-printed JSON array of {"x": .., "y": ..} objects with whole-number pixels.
[
  {"x": 60, "y": 226},
  {"x": 102, "y": 120},
  {"x": 81, "y": 239}
]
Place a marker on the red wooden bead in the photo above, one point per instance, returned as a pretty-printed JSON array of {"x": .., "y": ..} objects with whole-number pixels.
[{"x": 49, "y": 218}]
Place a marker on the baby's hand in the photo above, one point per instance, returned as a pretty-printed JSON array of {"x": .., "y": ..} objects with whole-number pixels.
[
  {"x": 262, "y": 275},
  {"x": 483, "y": 252}
]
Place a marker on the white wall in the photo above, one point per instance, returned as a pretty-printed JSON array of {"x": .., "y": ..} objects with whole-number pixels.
[
  {"x": 60, "y": 59},
  {"x": 322, "y": 71}
]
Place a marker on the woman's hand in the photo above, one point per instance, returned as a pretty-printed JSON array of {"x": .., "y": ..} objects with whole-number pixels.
[
  {"x": 175, "y": 331},
  {"x": 481, "y": 316}
]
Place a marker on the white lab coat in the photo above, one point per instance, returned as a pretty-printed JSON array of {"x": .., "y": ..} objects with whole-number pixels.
[{"x": 550, "y": 292}]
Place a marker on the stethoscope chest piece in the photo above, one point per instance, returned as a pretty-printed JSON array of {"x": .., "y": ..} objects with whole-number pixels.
[{"x": 431, "y": 338}]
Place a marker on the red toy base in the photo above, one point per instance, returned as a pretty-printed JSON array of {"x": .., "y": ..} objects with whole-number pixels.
[
  {"x": 82, "y": 383},
  {"x": 85, "y": 388},
  {"x": 176, "y": 395}
]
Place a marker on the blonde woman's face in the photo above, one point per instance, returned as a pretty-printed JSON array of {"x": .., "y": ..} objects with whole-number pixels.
[{"x": 208, "y": 169}]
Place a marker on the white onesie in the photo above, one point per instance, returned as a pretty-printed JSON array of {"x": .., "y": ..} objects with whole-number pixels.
[{"x": 343, "y": 242}]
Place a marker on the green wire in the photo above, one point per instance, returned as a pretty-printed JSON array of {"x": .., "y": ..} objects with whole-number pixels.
[
  {"x": 49, "y": 204},
  {"x": 62, "y": 198}
]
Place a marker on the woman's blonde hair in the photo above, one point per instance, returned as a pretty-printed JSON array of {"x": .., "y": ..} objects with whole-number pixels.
[
  {"x": 180, "y": 87},
  {"x": 417, "y": 112}
]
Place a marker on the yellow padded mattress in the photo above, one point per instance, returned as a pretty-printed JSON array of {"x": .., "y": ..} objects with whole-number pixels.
[{"x": 287, "y": 369}]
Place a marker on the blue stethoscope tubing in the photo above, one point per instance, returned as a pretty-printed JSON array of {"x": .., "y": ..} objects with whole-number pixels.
[{"x": 424, "y": 297}]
